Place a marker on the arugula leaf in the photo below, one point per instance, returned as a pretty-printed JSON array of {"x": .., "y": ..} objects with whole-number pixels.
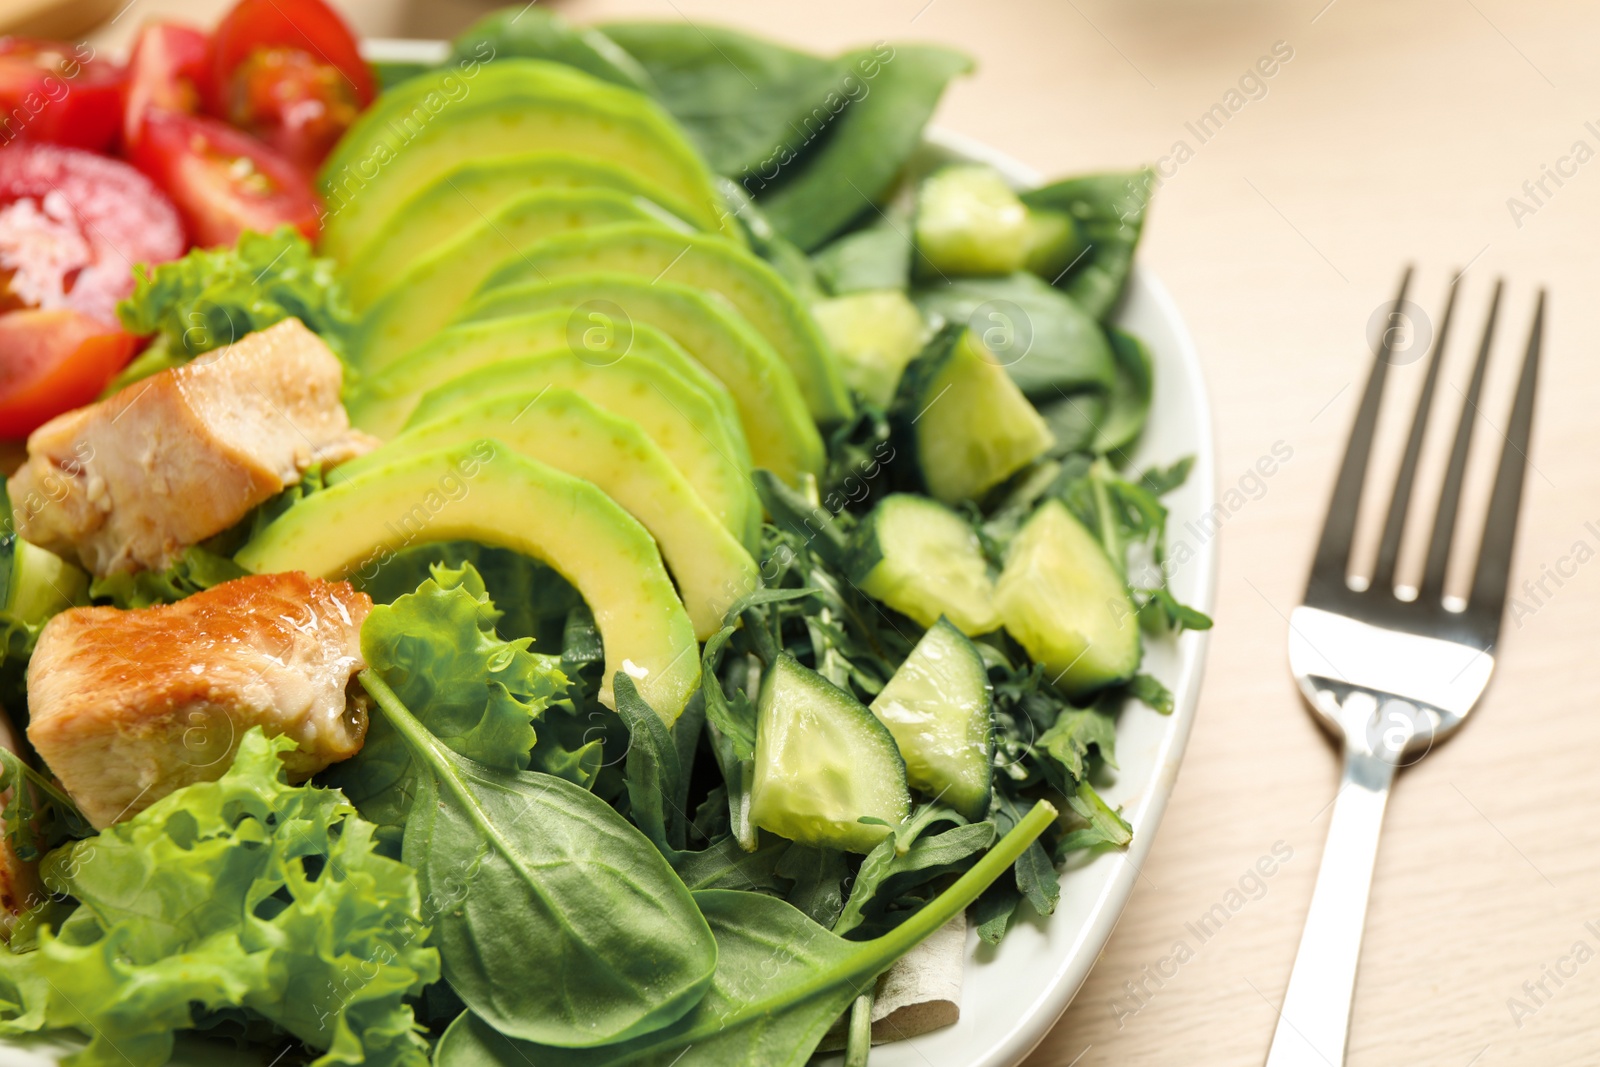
[
  {"x": 480, "y": 695},
  {"x": 897, "y": 866},
  {"x": 244, "y": 893},
  {"x": 1076, "y": 729},
  {"x": 1103, "y": 824},
  {"x": 1110, "y": 209},
  {"x": 1037, "y": 878},
  {"x": 559, "y": 922},
  {"x": 725, "y": 865},
  {"x": 213, "y": 297},
  {"x": 818, "y": 876},
  {"x": 781, "y": 981}
]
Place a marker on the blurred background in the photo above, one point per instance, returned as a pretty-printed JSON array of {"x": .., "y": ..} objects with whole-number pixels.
[{"x": 1424, "y": 132}]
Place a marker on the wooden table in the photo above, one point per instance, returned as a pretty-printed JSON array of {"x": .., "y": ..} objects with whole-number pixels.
[{"x": 1392, "y": 133}]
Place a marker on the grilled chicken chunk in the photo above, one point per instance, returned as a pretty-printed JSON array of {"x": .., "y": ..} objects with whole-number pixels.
[
  {"x": 129, "y": 482},
  {"x": 127, "y": 706},
  {"x": 20, "y": 888}
]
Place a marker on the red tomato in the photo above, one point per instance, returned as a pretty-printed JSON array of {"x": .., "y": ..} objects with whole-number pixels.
[
  {"x": 54, "y": 361},
  {"x": 72, "y": 224},
  {"x": 291, "y": 72},
  {"x": 58, "y": 92},
  {"x": 223, "y": 181},
  {"x": 166, "y": 71}
]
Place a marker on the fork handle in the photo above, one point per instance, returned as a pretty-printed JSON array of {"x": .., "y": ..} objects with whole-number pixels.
[{"x": 1314, "y": 1024}]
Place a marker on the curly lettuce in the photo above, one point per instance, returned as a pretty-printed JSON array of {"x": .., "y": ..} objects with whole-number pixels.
[
  {"x": 213, "y": 297},
  {"x": 245, "y": 896},
  {"x": 439, "y": 650}
]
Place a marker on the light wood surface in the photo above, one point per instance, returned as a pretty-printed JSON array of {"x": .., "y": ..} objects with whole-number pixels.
[{"x": 1395, "y": 133}]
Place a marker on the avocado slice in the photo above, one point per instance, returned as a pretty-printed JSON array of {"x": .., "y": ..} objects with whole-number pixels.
[
  {"x": 488, "y": 493},
  {"x": 561, "y": 428},
  {"x": 782, "y": 436},
  {"x": 704, "y": 262},
  {"x": 423, "y": 300},
  {"x": 460, "y": 199},
  {"x": 656, "y": 387},
  {"x": 425, "y": 126}
]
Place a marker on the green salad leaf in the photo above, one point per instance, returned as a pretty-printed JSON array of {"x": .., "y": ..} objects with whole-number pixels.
[
  {"x": 213, "y": 297},
  {"x": 558, "y": 921},
  {"x": 244, "y": 893},
  {"x": 781, "y": 981},
  {"x": 194, "y": 570},
  {"x": 1109, "y": 210},
  {"x": 534, "y": 33},
  {"x": 439, "y": 650}
]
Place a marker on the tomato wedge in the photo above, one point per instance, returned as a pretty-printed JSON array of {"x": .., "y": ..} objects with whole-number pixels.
[
  {"x": 224, "y": 182},
  {"x": 290, "y": 72},
  {"x": 54, "y": 361},
  {"x": 166, "y": 71},
  {"x": 72, "y": 224},
  {"x": 58, "y": 92}
]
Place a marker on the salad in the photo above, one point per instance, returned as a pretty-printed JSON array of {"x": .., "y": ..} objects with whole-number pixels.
[{"x": 590, "y": 552}]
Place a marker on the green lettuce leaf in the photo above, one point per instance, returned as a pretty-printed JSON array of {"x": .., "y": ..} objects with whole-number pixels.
[
  {"x": 196, "y": 569},
  {"x": 213, "y": 297},
  {"x": 439, "y": 650},
  {"x": 244, "y": 893}
]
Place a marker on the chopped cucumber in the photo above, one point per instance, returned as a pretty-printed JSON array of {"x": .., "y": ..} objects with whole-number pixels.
[
  {"x": 1065, "y": 602},
  {"x": 969, "y": 424},
  {"x": 875, "y": 334},
  {"x": 939, "y": 710},
  {"x": 924, "y": 561},
  {"x": 823, "y": 763},
  {"x": 42, "y": 583},
  {"x": 969, "y": 221},
  {"x": 1054, "y": 243}
]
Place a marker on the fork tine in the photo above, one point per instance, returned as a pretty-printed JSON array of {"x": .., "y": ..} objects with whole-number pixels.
[
  {"x": 1394, "y": 524},
  {"x": 1338, "y": 528},
  {"x": 1493, "y": 573},
  {"x": 1444, "y": 524}
]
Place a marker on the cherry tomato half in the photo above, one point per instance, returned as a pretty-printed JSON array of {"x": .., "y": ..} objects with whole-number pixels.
[
  {"x": 72, "y": 224},
  {"x": 58, "y": 92},
  {"x": 166, "y": 70},
  {"x": 54, "y": 361},
  {"x": 223, "y": 181},
  {"x": 290, "y": 72}
]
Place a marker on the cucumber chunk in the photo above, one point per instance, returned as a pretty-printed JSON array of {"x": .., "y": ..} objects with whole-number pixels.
[
  {"x": 874, "y": 334},
  {"x": 38, "y": 583},
  {"x": 823, "y": 762},
  {"x": 939, "y": 709},
  {"x": 970, "y": 426},
  {"x": 1065, "y": 602},
  {"x": 969, "y": 221},
  {"x": 1055, "y": 242},
  {"x": 924, "y": 561}
]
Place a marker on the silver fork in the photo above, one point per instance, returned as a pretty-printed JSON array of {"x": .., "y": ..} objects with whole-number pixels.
[{"x": 1391, "y": 671}]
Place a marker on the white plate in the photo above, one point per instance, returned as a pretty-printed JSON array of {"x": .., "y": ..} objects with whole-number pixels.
[{"x": 1013, "y": 994}]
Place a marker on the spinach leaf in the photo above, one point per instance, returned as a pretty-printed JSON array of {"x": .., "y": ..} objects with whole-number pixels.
[
  {"x": 1074, "y": 420},
  {"x": 534, "y": 33},
  {"x": 1130, "y": 396},
  {"x": 877, "y": 256},
  {"x": 1110, "y": 210},
  {"x": 866, "y": 146},
  {"x": 781, "y": 981},
  {"x": 560, "y": 922},
  {"x": 1044, "y": 340},
  {"x": 653, "y": 772},
  {"x": 739, "y": 98}
]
